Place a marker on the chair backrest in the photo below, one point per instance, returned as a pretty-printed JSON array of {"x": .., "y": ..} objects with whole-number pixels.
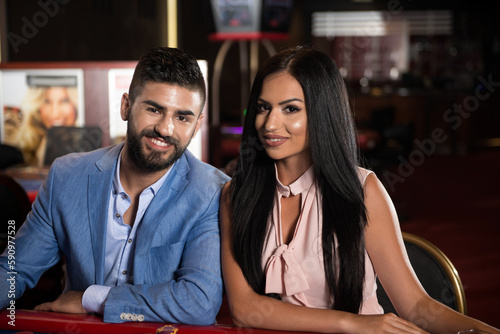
[
  {"x": 436, "y": 273},
  {"x": 62, "y": 140},
  {"x": 14, "y": 206},
  {"x": 10, "y": 156}
]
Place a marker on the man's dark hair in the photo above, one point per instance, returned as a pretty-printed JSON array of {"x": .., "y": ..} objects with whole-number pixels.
[{"x": 167, "y": 65}]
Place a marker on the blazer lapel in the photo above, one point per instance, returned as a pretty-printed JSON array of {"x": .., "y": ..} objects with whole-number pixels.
[{"x": 98, "y": 195}]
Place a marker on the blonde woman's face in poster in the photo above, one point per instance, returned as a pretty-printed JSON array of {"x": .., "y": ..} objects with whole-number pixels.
[{"x": 57, "y": 108}]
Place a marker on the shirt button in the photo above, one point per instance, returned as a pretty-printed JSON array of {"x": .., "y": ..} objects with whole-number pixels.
[
  {"x": 124, "y": 272},
  {"x": 129, "y": 240},
  {"x": 117, "y": 215},
  {"x": 114, "y": 192}
]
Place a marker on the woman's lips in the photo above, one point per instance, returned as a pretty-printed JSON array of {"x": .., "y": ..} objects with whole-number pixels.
[{"x": 274, "y": 141}]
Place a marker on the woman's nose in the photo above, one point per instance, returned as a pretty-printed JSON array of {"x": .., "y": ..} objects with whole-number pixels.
[
  {"x": 273, "y": 120},
  {"x": 55, "y": 109}
]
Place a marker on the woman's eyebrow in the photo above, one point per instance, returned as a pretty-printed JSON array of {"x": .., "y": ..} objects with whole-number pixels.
[
  {"x": 290, "y": 100},
  {"x": 282, "y": 102}
]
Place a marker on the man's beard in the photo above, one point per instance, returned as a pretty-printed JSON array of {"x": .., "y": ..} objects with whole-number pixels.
[{"x": 153, "y": 161}]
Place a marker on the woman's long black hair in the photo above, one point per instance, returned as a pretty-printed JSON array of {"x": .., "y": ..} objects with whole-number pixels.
[{"x": 334, "y": 155}]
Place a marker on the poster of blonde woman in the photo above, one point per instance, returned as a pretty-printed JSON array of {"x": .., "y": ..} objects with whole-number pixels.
[{"x": 33, "y": 101}]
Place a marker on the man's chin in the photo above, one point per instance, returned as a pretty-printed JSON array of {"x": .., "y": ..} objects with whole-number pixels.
[{"x": 157, "y": 163}]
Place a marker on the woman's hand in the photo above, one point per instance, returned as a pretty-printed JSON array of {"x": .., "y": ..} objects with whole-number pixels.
[{"x": 383, "y": 323}]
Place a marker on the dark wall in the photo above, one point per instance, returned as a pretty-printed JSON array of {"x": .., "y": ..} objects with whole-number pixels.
[
  {"x": 73, "y": 30},
  {"x": 120, "y": 30}
]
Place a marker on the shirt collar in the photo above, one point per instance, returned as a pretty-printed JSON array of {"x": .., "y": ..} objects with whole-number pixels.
[{"x": 298, "y": 186}]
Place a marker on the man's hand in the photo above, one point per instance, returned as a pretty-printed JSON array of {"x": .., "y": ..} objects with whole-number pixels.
[{"x": 69, "y": 302}]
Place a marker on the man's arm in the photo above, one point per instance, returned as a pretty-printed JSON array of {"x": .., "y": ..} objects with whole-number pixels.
[{"x": 194, "y": 295}]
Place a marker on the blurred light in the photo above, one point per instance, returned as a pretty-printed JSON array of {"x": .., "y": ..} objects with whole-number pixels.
[
  {"x": 394, "y": 73},
  {"x": 343, "y": 72}
]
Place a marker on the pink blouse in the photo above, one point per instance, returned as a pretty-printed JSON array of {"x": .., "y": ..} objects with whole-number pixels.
[{"x": 295, "y": 271}]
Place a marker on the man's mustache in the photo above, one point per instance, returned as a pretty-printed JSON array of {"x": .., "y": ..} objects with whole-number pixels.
[{"x": 168, "y": 139}]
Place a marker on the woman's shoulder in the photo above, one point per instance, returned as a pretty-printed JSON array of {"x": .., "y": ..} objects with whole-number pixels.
[
  {"x": 225, "y": 196},
  {"x": 363, "y": 174}
]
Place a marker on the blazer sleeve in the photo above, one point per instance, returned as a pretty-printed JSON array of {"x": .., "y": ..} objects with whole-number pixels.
[{"x": 193, "y": 296}]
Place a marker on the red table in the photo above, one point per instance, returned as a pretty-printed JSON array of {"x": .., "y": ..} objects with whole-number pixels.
[{"x": 51, "y": 322}]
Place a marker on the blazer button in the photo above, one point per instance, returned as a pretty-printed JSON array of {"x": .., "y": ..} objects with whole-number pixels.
[
  {"x": 140, "y": 318},
  {"x": 134, "y": 317},
  {"x": 123, "y": 316}
]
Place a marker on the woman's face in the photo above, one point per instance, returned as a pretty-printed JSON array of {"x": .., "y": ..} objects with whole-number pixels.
[
  {"x": 281, "y": 119},
  {"x": 57, "y": 108}
]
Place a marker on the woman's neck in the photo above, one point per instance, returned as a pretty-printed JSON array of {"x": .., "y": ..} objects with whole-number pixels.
[{"x": 289, "y": 170}]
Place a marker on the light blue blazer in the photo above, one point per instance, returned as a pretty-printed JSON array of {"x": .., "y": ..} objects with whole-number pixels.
[{"x": 177, "y": 275}]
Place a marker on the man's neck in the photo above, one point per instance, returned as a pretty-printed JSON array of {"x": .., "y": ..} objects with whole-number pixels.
[{"x": 133, "y": 179}]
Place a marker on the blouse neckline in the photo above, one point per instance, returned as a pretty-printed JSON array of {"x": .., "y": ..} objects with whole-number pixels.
[{"x": 302, "y": 184}]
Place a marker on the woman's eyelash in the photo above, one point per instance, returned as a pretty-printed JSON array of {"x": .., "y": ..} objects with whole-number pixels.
[
  {"x": 289, "y": 109},
  {"x": 292, "y": 108},
  {"x": 262, "y": 106}
]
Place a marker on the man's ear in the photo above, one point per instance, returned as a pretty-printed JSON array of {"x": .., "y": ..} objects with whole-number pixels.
[
  {"x": 125, "y": 106},
  {"x": 198, "y": 124}
]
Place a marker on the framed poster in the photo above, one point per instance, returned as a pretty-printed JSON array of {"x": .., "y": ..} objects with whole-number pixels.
[
  {"x": 34, "y": 100},
  {"x": 119, "y": 80}
]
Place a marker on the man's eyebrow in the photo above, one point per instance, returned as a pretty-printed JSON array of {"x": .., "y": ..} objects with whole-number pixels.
[
  {"x": 154, "y": 104},
  {"x": 185, "y": 112}
]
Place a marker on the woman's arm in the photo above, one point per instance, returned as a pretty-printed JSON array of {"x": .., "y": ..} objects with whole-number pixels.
[
  {"x": 249, "y": 309},
  {"x": 388, "y": 254}
]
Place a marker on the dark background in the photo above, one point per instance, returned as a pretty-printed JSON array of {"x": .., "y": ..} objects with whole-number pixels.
[{"x": 111, "y": 30}]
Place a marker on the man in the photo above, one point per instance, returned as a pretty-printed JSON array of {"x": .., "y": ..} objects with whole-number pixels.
[{"x": 137, "y": 223}]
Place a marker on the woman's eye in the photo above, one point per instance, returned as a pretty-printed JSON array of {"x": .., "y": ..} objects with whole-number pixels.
[
  {"x": 292, "y": 109},
  {"x": 262, "y": 107}
]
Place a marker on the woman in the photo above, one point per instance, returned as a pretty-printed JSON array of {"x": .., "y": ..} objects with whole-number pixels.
[
  {"x": 43, "y": 108},
  {"x": 301, "y": 222}
]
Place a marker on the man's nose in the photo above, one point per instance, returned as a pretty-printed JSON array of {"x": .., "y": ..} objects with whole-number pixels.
[{"x": 165, "y": 126}]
